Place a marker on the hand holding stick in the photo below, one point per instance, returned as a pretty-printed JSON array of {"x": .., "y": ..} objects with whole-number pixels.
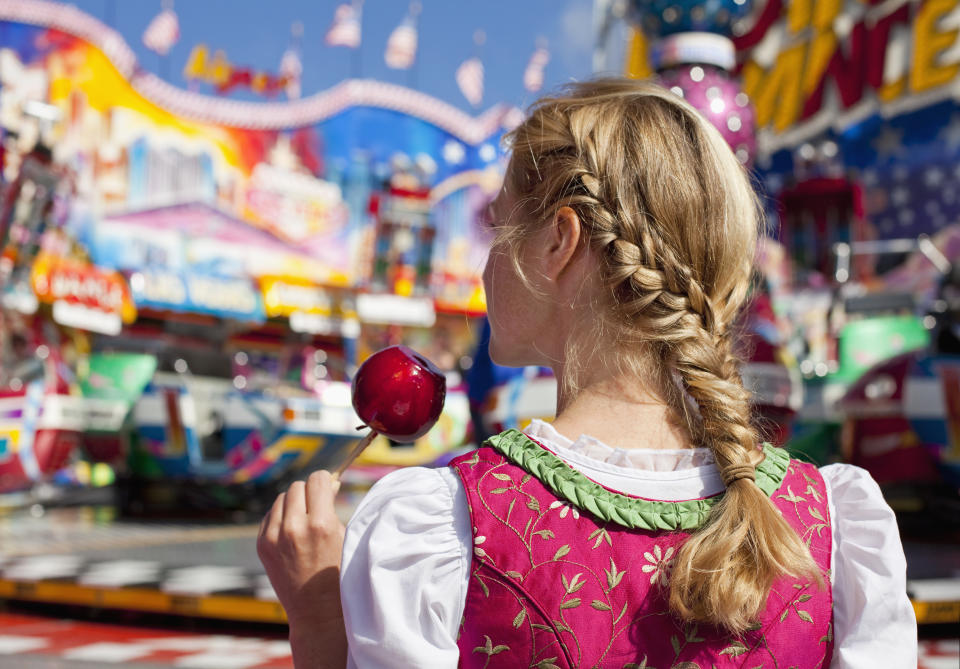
[
  {"x": 357, "y": 449},
  {"x": 398, "y": 394}
]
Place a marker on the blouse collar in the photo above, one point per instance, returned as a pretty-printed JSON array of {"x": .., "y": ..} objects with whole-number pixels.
[{"x": 646, "y": 459}]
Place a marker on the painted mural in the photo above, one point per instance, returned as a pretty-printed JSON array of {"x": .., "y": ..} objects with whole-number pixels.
[
  {"x": 216, "y": 178},
  {"x": 187, "y": 282},
  {"x": 864, "y": 89},
  {"x": 878, "y": 81}
]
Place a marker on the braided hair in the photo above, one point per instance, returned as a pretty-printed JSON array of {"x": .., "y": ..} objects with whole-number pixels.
[{"x": 672, "y": 217}]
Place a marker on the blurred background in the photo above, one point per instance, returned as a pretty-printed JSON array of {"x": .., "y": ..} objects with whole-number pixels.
[{"x": 212, "y": 212}]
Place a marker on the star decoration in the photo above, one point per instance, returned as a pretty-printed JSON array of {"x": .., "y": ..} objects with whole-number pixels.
[
  {"x": 950, "y": 134},
  {"x": 889, "y": 143}
]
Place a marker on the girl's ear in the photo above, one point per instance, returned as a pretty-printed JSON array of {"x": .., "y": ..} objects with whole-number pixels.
[{"x": 562, "y": 240}]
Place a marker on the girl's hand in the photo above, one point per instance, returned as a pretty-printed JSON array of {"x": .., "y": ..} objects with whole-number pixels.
[{"x": 299, "y": 544}]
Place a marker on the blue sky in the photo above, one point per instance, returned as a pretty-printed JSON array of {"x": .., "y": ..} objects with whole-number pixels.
[{"x": 255, "y": 33}]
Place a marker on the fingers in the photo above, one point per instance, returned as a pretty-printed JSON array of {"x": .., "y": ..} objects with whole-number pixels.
[
  {"x": 295, "y": 507},
  {"x": 321, "y": 491},
  {"x": 270, "y": 525},
  {"x": 305, "y": 508}
]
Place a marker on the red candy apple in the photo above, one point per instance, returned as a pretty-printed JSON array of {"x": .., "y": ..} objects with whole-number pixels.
[{"x": 399, "y": 393}]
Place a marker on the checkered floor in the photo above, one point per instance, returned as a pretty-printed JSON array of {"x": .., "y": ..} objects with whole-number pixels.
[
  {"x": 90, "y": 644},
  {"x": 91, "y": 547},
  {"x": 939, "y": 654},
  {"x": 69, "y": 644},
  {"x": 195, "y": 580}
]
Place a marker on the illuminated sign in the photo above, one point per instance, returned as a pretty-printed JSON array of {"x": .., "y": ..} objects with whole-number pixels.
[
  {"x": 812, "y": 65},
  {"x": 224, "y": 76},
  {"x": 310, "y": 308},
  {"x": 223, "y": 297},
  {"x": 293, "y": 206},
  {"x": 83, "y": 295}
]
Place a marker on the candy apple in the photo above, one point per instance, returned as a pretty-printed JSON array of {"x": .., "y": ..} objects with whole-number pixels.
[{"x": 399, "y": 393}]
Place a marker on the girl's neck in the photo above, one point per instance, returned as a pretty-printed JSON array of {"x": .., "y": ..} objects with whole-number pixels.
[{"x": 619, "y": 413}]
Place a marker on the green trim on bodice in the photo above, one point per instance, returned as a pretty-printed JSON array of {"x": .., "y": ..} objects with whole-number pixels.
[{"x": 631, "y": 512}]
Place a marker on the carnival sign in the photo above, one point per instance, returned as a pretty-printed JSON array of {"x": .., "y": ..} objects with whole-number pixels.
[
  {"x": 293, "y": 206},
  {"x": 310, "y": 308},
  {"x": 83, "y": 295},
  {"x": 809, "y": 66},
  {"x": 225, "y": 76},
  {"x": 224, "y": 297},
  {"x": 282, "y": 298}
]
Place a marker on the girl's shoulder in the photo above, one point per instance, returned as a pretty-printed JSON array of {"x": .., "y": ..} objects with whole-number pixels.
[
  {"x": 402, "y": 576},
  {"x": 863, "y": 521},
  {"x": 409, "y": 491},
  {"x": 850, "y": 486},
  {"x": 852, "y": 493}
]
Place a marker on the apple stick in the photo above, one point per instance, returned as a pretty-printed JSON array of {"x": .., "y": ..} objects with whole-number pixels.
[{"x": 352, "y": 455}]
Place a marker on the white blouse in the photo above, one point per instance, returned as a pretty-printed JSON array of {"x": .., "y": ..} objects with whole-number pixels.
[{"x": 407, "y": 551}]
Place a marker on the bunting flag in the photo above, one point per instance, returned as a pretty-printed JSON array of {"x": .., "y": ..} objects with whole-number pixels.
[
  {"x": 345, "y": 30},
  {"x": 470, "y": 80},
  {"x": 162, "y": 32},
  {"x": 533, "y": 75},
  {"x": 290, "y": 70},
  {"x": 402, "y": 45}
]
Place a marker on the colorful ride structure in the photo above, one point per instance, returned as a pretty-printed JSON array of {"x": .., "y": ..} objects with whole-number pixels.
[
  {"x": 852, "y": 109},
  {"x": 187, "y": 283}
]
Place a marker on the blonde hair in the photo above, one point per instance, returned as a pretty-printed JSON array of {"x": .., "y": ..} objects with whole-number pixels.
[{"x": 673, "y": 218}]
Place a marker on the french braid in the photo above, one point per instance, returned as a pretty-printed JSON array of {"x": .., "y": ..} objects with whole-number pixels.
[{"x": 671, "y": 211}]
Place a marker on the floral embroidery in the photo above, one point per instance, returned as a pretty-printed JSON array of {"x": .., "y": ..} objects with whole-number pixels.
[
  {"x": 489, "y": 649},
  {"x": 565, "y": 508},
  {"x": 477, "y": 540},
  {"x": 661, "y": 564},
  {"x": 548, "y": 592},
  {"x": 613, "y": 576},
  {"x": 794, "y": 605},
  {"x": 689, "y": 637},
  {"x": 634, "y": 665},
  {"x": 600, "y": 534}
]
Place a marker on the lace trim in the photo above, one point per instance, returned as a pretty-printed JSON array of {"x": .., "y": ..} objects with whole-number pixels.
[
  {"x": 649, "y": 460},
  {"x": 631, "y": 512}
]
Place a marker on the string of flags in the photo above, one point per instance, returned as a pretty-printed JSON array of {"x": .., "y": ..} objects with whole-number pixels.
[
  {"x": 345, "y": 29},
  {"x": 533, "y": 74},
  {"x": 401, "y": 52},
  {"x": 470, "y": 80},
  {"x": 469, "y": 75},
  {"x": 290, "y": 65},
  {"x": 163, "y": 32}
]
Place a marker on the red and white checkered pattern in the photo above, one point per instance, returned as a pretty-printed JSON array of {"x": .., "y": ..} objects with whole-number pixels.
[
  {"x": 162, "y": 32},
  {"x": 71, "y": 20},
  {"x": 939, "y": 654},
  {"x": 105, "y": 645}
]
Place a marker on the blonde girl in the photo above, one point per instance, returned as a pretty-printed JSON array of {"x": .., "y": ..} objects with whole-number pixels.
[{"x": 647, "y": 526}]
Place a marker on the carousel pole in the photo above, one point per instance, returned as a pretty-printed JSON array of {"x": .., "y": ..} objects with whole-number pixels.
[
  {"x": 414, "y": 72},
  {"x": 110, "y": 13},
  {"x": 357, "y": 60}
]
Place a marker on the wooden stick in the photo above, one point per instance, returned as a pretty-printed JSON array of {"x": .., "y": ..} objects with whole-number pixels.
[{"x": 357, "y": 450}]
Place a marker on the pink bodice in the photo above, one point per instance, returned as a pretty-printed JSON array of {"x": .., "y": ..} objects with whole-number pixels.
[{"x": 567, "y": 573}]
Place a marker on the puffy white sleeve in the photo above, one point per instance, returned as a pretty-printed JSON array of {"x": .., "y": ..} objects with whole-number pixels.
[
  {"x": 873, "y": 621},
  {"x": 404, "y": 574}
]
